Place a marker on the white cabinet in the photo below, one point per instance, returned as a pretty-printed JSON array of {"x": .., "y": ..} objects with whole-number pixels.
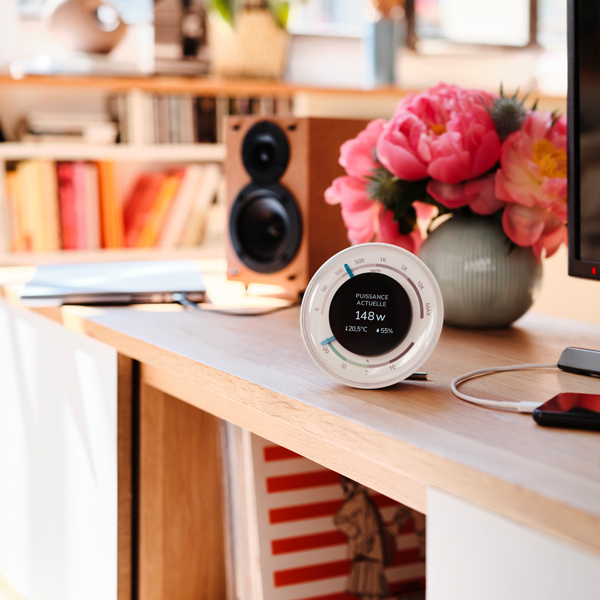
[
  {"x": 58, "y": 460},
  {"x": 475, "y": 554}
]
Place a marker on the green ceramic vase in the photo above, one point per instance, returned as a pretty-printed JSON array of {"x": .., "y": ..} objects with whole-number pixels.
[{"x": 485, "y": 281}]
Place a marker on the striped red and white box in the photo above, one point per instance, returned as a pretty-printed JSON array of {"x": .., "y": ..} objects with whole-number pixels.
[{"x": 297, "y": 553}]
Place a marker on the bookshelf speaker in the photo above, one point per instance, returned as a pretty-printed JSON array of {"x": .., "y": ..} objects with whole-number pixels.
[{"x": 276, "y": 172}]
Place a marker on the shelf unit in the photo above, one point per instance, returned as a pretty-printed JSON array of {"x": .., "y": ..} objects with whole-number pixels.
[
  {"x": 138, "y": 154},
  {"x": 13, "y": 151}
]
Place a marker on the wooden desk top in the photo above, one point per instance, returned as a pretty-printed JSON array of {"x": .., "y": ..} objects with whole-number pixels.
[{"x": 255, "y": 372}]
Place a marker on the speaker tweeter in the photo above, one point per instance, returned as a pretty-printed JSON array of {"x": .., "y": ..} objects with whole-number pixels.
[{"x": 265, "y": 152}]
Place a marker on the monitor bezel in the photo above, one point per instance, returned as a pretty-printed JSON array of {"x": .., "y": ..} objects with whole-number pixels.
[{"x": 578, "y": 267}]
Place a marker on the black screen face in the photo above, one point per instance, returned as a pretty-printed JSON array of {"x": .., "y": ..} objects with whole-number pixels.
[
  {"x": 587, "y": 125},
  {"x": 370, "y": 314}
]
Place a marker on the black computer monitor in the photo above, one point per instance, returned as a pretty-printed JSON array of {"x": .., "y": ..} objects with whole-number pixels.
[{"x": 583, "y": 112}]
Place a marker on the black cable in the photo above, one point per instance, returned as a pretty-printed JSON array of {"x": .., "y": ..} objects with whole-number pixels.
[{"x": 183, "y": 300}]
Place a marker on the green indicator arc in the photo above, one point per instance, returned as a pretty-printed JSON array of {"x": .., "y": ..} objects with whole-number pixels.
[{"x": 350, "y": 362}]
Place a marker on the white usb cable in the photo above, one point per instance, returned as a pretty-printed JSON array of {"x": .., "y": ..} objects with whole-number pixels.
[{"x": 523, "y": 406}]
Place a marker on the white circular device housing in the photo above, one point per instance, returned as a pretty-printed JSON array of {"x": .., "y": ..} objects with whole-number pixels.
[{"x": 371, "y": 315}]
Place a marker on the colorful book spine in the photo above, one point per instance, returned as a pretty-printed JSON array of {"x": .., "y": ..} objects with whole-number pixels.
[
  {"x": 26, "y": 187},
  {"x": 181, "y": 208},
  {"x": 110, "y": 207},
  {"x": 195, "y": 225},
  {"x": 18, "y": 240},
  {"x": 138, "y": 205},
  {"x": 80, "y": 190},
  {"x": 67, "y": 205},
  {"x": 79, "y": 205},
  {"x": 38, "y": 195},
  {"x": 151, "y": 230},
  {"x": 92, "y": 207},
  {"x": 49, "y": 212}
]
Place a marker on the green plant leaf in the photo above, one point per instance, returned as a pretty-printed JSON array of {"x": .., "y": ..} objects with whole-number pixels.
[
  {"x": 225, "y": 8},
  {"x": 280, "y": 10},
  {"x": 228, "y": 9}
]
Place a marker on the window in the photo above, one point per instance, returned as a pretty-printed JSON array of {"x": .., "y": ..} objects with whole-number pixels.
[
  {"x": 510, "y": 23},
  {"x": 515, "y": 23}
]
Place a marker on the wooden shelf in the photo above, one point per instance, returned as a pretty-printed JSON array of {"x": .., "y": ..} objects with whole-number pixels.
[
  {"x": 207, "y": 85},
  {"x": 206, "y": 250},
  {"x": 120, "y": 152},
  {"x": 215, "y": 86}
]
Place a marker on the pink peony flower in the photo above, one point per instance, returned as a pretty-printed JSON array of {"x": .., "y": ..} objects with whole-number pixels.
[
  {"x": 357, "y": 210},
  {"x": 389, "y": 234},
  {"x": 425, "y": 212},
  {"x": 357, "y": 155},
  {"x": 367, "y": 220},
  {"x": 533, "y": 181},
  {"x": 445, "y": 133},
  {"x": 534, "y": 226},
  {"x": 479, "y": 194},
  {"x": 442, "y": 147}
]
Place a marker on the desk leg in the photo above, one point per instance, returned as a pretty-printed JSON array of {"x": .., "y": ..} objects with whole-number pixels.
[
  {"x": 125, "y": 457},
  {"x": 181, "y": 536}
]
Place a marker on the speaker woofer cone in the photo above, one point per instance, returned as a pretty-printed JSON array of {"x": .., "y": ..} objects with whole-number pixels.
[
  {"x": 265, "y": 152},
  {"x": 265, "y": 227}
]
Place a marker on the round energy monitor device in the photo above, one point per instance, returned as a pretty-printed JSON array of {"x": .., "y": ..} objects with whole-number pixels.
[{"x": 371, "y": 315}]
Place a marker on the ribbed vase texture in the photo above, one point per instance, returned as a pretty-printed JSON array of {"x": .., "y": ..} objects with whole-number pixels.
[{"x": 484, "y": 282}]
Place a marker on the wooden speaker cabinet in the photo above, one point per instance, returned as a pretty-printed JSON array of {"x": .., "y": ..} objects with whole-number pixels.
[{"x": 276, "y": 172}]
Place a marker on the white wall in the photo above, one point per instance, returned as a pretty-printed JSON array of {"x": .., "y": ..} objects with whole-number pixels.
[{"x": 566, "y": 296}]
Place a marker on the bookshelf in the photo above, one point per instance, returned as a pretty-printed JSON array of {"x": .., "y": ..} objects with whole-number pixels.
[
  {"x": 147, "y": 110},
  {"x": 160, "y": 129}
]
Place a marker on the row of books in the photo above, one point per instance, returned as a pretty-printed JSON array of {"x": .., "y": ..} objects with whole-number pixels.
[
  {"x": 298, "y": 531},
  {"x": 186, "y": 119},
  {"x": 76, "y": 205},
  {"x": 90, "y": 127},
  {"x": 144, "y": 118}
]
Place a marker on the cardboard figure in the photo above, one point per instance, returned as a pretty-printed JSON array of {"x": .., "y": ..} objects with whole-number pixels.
[
  {"x": 359, "y": 519},
  {"x": 404, "y": 514}
]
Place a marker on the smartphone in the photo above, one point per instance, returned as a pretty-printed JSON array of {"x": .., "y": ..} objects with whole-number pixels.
[{"x": 577, "y": 411}]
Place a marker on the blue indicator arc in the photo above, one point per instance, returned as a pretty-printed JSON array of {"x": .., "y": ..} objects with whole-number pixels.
[
  {"x": 328, "y": 341},
  {"x": 349, "y": 270}
]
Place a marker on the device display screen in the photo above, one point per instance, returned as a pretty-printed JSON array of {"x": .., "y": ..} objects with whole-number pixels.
[
  {"x": 370, "y": 314},
  {"x": 570, "y": 410}
]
